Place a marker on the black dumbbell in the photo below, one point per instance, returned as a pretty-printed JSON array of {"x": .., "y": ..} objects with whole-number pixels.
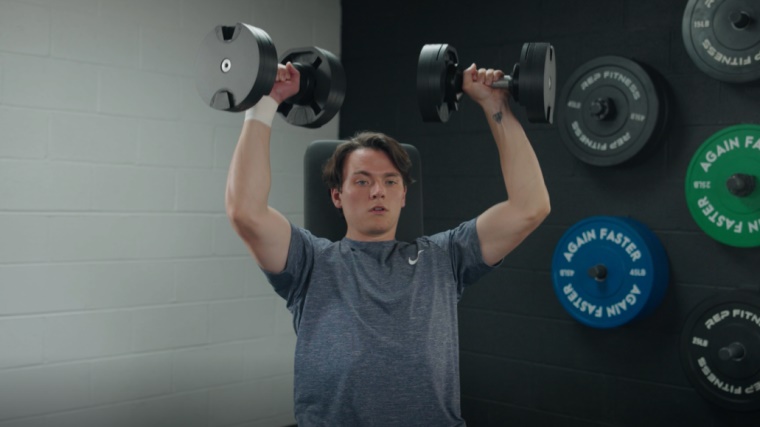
[
  {"x": 236, "y": 66},
  {"x": 531, "y": 84}
]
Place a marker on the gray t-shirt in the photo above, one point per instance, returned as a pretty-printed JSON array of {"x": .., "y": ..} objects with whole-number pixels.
[{"x": 378, "y": 342}]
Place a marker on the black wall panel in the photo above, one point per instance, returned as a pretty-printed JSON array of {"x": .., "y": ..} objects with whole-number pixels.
[{"x": 524, "y": 360}]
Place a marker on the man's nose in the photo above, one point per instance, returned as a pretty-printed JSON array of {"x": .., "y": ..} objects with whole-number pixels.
[{"x": 377, "y": 190}]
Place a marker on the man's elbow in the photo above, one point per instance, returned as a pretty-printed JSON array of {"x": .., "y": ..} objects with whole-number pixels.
[
  {"x": 243, "y": 221},
  {"x": 545, "y": 209},
  {"x": 238, "y": 220},
  {"x": 535, "y": 216},
  {"x": 235, "y": 212}
]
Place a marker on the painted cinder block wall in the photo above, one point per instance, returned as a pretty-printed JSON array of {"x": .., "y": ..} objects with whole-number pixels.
[
  {"x": 524, "y": 360},
  {"x": 126, "y": 299}
]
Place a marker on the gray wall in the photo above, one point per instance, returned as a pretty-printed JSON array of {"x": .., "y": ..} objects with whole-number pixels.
[
  {"x": 125, "y": 297},
  {"x": 524, "y": 360}
]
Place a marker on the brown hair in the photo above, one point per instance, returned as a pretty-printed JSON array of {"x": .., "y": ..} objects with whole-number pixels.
[{"x": 332, "y": 173}]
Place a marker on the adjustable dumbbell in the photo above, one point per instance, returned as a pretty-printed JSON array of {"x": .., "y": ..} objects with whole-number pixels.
[
  {"x": 237, "y": 65},
  {"x": 531, "y": 84}
]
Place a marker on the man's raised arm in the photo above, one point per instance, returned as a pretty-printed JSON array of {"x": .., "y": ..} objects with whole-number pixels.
[
  {"x": 505, "y": 225},
  {"x": 265, "y": 231}
]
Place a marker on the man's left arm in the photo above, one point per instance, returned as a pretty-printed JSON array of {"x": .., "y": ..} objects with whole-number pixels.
[{"x": 502, "y": 227}]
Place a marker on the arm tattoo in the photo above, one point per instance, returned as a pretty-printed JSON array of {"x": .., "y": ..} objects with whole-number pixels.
[{"x": 497, "y": 117}]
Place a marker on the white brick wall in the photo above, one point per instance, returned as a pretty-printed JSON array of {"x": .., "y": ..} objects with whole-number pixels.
[{"x": 126, "y": 299}]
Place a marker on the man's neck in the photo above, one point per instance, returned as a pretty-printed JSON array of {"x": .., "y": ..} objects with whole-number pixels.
[{"x": 362, "y": 237}]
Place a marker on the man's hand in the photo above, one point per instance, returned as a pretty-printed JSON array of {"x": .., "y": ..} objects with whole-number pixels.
[
  {"x": 286, "y": 84},
  {"x": 476, "y": 83}
]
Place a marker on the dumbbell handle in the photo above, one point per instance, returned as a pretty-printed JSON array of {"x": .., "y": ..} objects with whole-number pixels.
[{"x": 504, "y": 83}]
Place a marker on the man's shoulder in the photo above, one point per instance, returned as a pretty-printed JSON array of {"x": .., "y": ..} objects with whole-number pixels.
[
  {"x": 443, "y": 238},
  {"x": 307, "y": 235}
]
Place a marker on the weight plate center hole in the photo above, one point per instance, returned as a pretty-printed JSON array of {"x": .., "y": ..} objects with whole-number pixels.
[
  {"x": 734, "y": 351},
  {"x": 741, "y": 184},
  {"x": 598, "y": 272},
  {"x": 226, "y": 65},
  {"x": 740, "y": 19},
  {"x": 602, "y": 109},
  {"x": 734, "y": 29}
]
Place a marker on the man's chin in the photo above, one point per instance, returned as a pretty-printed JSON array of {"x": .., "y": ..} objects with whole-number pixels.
[{"x": 380, "y": 230}]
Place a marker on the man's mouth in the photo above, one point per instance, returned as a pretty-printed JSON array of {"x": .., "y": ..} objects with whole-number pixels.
[{"x": 378, "y": 209}]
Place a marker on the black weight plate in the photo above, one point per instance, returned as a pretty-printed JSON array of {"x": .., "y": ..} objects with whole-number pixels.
[
  {"x": 722, "y": 37},
  {"x": 322, "y": 90},
  {"x": 612, "y": 110},
  {"x": 537, "y": 80},
  {"x": 437, "y": 95},
  {"x": 730, "y": 380},
  {"x": 235, "y": 67}
]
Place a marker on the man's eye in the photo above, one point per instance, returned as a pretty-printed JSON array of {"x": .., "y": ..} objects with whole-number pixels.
[
  {"x": 362, "y": 182},
  {"x": 391, "y": 182}
]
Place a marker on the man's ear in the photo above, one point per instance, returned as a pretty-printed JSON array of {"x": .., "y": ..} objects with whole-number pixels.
[{"x": 335, "y": 196}]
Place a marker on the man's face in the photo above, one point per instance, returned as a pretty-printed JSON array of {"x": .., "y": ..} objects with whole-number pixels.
[{"x": 371, "y": 196}]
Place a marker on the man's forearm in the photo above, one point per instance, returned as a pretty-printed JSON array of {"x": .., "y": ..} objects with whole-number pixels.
[
  {"x": 522, "y": 174},
  {"x": 249, "y": 179}
]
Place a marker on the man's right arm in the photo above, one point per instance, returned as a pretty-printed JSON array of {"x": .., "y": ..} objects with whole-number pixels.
[{"x": 265, "y": 231}]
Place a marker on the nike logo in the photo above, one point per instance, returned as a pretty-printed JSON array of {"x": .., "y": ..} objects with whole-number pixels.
[{"x": 414, "y": 261}]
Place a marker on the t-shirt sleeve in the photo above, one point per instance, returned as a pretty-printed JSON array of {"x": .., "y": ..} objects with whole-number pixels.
[
  {"x": 292, "y": 282},
  {"x": 463, "y": 245}
]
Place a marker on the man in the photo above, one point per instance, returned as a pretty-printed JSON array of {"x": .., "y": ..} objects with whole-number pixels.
[{"x": 376, "y": 318}]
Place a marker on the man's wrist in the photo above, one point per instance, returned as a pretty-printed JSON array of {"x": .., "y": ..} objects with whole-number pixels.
[{"x": 264, "y": 111}]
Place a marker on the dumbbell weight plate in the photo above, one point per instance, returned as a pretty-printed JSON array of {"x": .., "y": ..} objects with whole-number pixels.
[
  {"x": 534, "y": 86},
  {"x": 436, "y": 88},
  {"x": 235, "y": 67},
  {"x": 322, "y": 90}
]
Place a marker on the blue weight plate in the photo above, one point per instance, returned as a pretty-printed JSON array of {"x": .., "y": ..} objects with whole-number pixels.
[{"x": 608, "y": 271}]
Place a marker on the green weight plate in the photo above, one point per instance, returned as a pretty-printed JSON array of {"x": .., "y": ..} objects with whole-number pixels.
[
  {"x": 722, "y": 37},
  {"x": 720, "y": 350},
  {"x": 723, "y": 186}
]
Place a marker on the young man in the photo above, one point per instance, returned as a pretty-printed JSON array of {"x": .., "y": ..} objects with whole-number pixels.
[{"x": 376, "y": 318}]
